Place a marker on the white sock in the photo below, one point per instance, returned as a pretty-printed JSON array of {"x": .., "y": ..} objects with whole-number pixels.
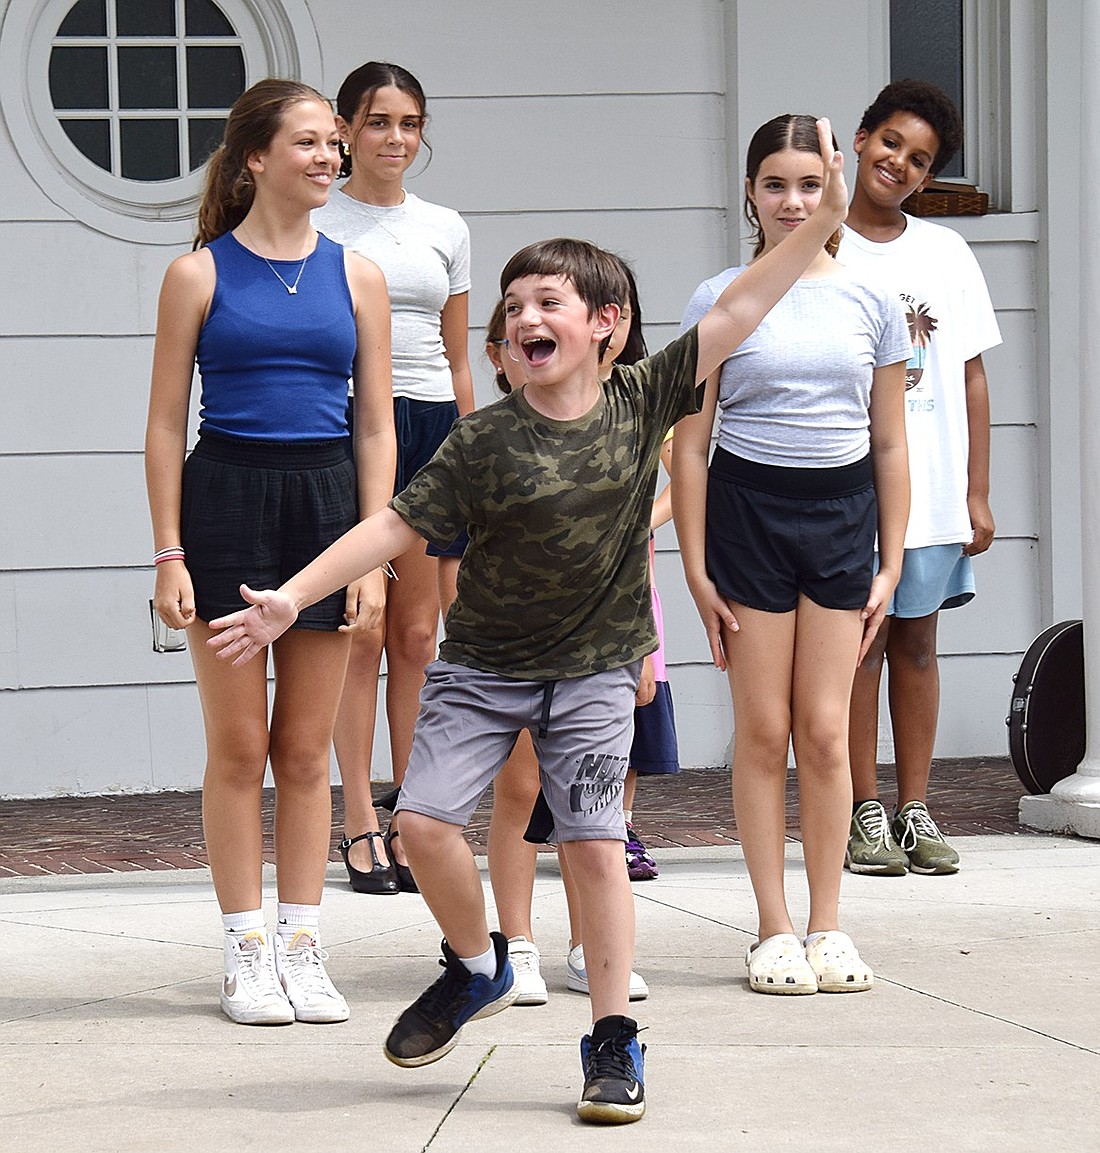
[
  {"x": 484, "y": 964},
  {"x": 628, "y": 815},
  {"x": 250, "y": 921},
  {"x": 237, "y": 927},
  {"x": 293, "y": 919}
]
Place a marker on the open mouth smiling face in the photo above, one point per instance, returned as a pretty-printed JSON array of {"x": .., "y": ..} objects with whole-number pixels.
[{"x": 538, "y": 350}]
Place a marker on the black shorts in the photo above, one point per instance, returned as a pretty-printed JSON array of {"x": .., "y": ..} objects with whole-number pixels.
[
  {"x": 775, "y": 533},
  {"x": 654, "y": 749},
  {"x": 421, "y": 427},
  {"x": 255, "y": 512}
]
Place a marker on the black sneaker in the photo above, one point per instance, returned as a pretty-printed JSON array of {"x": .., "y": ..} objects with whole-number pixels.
[
  {"x": 428, "y": 1029},
  {"x": 612, "y": 1060}
]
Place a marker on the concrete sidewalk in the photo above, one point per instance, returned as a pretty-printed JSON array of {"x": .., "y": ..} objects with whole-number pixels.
[{"x": 982, "y": 1031}]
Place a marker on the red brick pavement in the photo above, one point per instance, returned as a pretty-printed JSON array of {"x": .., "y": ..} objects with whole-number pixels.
[{"x": 158, "y": 831}]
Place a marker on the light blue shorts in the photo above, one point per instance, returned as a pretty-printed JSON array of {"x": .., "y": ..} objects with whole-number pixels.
[{"x": 938, "y": 576}]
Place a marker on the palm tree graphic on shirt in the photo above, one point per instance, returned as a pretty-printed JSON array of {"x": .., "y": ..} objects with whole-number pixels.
[{"x": 921, "y": 326}]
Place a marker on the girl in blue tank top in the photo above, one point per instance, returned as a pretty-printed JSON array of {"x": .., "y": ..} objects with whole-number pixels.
[{"x": 278, "y": 319}]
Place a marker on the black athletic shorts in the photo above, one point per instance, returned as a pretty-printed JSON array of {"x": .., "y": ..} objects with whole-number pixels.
[
  {"x": 775, "y": 533},
  {"x": 421, "y": 427},
  {"x": 255, "y": 512}
]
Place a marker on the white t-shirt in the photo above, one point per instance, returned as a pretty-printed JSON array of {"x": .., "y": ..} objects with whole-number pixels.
[
  {"x": 797, "y": 392},
  {"x": 951, "y": 321},
  {"x": 423, "y": 250}
]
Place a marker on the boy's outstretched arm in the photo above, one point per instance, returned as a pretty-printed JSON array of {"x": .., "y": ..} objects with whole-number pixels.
[
  {"x": 749, "y": 298},
  {"x": 371, "y": 543}
]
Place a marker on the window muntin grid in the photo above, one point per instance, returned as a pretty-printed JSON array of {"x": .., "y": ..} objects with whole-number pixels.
[{"x": 142, "y": 87}]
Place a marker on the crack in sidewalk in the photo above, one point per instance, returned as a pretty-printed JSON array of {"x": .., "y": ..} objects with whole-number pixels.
[{"x": 462, "y": 1093}]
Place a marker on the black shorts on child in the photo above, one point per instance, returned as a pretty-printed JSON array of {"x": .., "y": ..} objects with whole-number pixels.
[
  {"x": 255, "y": 512},
  {"x": 422, "y": 426},
  {"x": 773, "y": 534},
  {"x": 654, "y": 750}
]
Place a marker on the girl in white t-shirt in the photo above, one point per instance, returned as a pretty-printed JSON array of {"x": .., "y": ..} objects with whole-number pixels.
[
  {"x": 777, "y": 538},
  {"x": 424, "y": 251}
]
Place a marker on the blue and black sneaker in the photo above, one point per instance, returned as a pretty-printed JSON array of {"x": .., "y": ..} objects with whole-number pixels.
[
  {"x": 614, "y": 1078},
  {"x": 428, "y": 1029}
]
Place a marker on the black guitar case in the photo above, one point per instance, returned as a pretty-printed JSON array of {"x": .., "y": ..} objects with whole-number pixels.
[{"x": 1046, "y": 716}]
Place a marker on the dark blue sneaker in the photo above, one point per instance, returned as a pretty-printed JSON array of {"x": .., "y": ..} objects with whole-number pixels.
[
  {"x": 614, "y": 1076},
  {"x": 428, "y": 1029}
]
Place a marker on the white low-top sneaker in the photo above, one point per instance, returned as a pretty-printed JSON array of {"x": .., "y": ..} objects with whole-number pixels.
[
  {"x": 525, "y": 958},
  {"x": 251, "y": 993},
  {"x": 301, "y": 969},
  {"x": 576, "y": 976}
]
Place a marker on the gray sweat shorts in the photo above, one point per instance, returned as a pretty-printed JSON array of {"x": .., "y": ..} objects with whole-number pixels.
[{"x": 582, "y": 730}]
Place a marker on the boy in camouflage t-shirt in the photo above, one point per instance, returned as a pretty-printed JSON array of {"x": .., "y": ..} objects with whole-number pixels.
[{"x": 552, "y": 619}]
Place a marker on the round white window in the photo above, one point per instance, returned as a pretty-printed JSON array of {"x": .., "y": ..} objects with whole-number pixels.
[{"x": 115, "y": 105}]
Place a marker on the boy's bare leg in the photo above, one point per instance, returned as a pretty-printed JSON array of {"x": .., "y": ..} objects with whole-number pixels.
[
  {"x": 448, "y": 879},
  {"x": 607, "y": 908}
]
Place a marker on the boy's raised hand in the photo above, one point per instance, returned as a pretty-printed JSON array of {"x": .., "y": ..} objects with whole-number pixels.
[
  {"x": 243, "y": 634},
  {"x": 834, "y": 192}
]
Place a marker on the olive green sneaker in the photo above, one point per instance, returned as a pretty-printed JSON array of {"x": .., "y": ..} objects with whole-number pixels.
[
  {"x": 871, "y": 845},
  {"x": 922, "y": 842}
]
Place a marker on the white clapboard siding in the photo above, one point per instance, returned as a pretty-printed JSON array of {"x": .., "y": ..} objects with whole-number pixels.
[
  {"x": 563, "y": 120},
  {"x": 500, "y": 48},
  {"x": 73, "y": 510},
  {"x": 1011, "y": 369},
  {"x": 615, "y": 170},
  {"x": 22, "y": 198},
  {"x": 75, "y": 394},
  {"x": 76, "y": 281}
]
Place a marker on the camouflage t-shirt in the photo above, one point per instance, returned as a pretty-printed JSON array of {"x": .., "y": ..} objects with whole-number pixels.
[{"x": 555, "y": 580}]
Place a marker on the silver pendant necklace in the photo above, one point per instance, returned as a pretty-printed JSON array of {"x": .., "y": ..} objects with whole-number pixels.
[{"x": 292, "y": 289}]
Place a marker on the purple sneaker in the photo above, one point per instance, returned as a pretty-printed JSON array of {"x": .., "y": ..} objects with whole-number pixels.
[{"x": 640, "y": 866}]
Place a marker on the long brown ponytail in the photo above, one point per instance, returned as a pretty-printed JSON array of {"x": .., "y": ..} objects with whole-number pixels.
[{"x": 253, "y": 121}]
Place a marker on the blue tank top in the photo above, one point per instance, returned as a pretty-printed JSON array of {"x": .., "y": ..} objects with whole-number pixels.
[{"x": 274, "y": 364}]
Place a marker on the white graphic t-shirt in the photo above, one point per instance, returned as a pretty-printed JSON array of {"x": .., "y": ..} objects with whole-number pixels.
[{"x": 951, "y": 321}]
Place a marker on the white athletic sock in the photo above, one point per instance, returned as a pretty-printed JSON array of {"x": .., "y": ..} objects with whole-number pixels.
[
  {"x": 628, "y": 815},
  {"x": 237, "y": 927},
  {"x": 293, "y": 919},
  {"x": 484, "y": 964},
  {"x": 247, "y": 922}
]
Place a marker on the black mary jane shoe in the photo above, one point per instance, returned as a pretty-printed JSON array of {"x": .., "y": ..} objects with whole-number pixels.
[
  {"x": 405, "y": 878},
  {"x": 381, "y": 879}
]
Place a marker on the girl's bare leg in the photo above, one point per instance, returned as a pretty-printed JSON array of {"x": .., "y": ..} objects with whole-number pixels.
[
  {"x": 511, "y": 859},
  {"x": 353, "y": 738},
  {"x": 234, "y": 710},
  {"x": 760, "y": 657},
  {"x": 412, "y": 637},
  {"x": 309, "y": 679},
  {"x": 826, "y": 647}
]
